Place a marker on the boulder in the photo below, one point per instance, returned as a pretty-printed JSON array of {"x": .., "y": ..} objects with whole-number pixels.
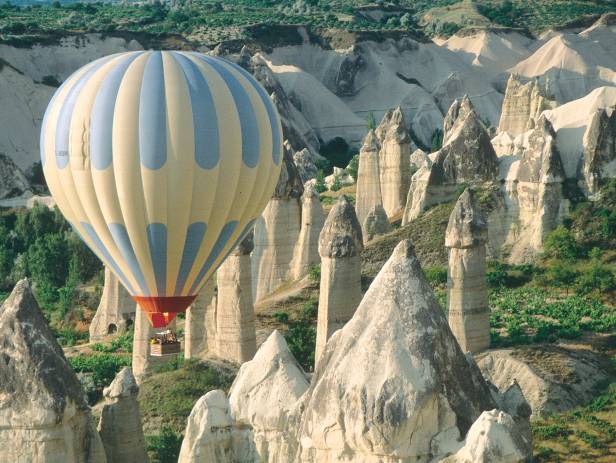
[
  {"x": 552, "y": 379},
  {"x": 44, "y": 416},
  {"x": 120, "y": 422}
]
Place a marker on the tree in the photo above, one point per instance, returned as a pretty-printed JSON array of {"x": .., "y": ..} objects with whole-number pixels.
[{"x": 561, "y": 244}]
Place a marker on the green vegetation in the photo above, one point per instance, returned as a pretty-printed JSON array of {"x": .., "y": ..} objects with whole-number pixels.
[
  {"x": 164, "y": 447},
  {"x": 301, "y": 334},
  {"x": 123, "y": 343},
  {"x": 97, "y": 371},
  {"x": 39, "y": 244},
  {"x": 168, "y": 395},
  {"x": 588, "y": 431}
]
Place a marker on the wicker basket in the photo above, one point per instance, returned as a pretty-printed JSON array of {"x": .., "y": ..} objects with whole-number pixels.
[{"x": 159, "y": 350}]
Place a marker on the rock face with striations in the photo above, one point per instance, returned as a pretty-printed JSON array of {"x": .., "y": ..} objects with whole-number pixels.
[
  {"x": 393, "y": 381},
  {"x": 340, "y": 246},
  {"x": 277, "y": 232},
  {"x": 467, "y": 295},
  {"x": 599, "y": 150},
  {"x": 305, "y": 163},
  {"x": 116, "y": 310},
  {"x": 539, "y": 178},
  {"x": 368, "y": 199},
  {"x": 13, "y": 182},
  {"x": 306, "y": 252},
  {"x": 466, "y": 157},
  {"x": 523, "y": 104},
  {"x": 120, "y": 423},
  {"x": 199, "y": 336},
  {"x": 394, "y": 164},
  {"x": 43, "y": 413},
  {"x": 235, "y": 314}
]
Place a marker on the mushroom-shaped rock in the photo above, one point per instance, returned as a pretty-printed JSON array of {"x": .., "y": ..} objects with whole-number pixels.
[
  {"x": 264, "y": 399},
  {"x": 340, "y": 246},
  {"x": 307, "y": 247},
  {"x": 469, "y": 312},
  {"x": 394, "y": 164},
  {"x": 393, "y": 380},
  {"x": 493, "y": 438},
  {"x": 208, "y": 432},
  {"x": 43, "y": 413},
  {"x": 120, "y": 422}
]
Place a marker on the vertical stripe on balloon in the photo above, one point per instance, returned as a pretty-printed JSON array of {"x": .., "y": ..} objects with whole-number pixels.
[
  {"x": 205, "y": 122},
  {"x": 222, "y": 240},
  {"x": 122, "y": 241},
  {"x": 271, "y": 113},
  {"x": 248, "y": 121},
  {"x": 153, "y": 114},
  {"x": 63, "y": 123},
  {"x": 194, "y": 237},
  {"x": 106, "y": 255},
  {"x": 157, "y": 240},
  {"x": 101, "y": 121}
]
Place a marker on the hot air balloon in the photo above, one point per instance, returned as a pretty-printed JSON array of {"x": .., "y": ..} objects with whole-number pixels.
[{"x": 161, "y": 161}]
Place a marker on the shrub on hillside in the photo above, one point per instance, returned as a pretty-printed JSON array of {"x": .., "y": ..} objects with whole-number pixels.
[{"x": 561, "y": 244}]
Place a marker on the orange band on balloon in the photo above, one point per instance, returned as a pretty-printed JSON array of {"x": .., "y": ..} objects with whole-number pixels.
[{"x": 162, "y": 310}]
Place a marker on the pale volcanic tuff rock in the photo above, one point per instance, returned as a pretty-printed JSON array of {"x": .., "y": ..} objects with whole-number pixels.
[
  {"x": 393, "y": 381},
  {"x": 235, "y": 314},
  {"x": 277, "y": 232},
  {"x": 13, "y": 182},
  {"x": 419, "y": 159},
  {"x": 200, "y": 324},
  {"x": 43, "y": 413},
  {"x": 599, "y": 149},
  {"x": 116, "y": 310},
  {"x": 307, "y": 247},
  {"x": 394, "y": 164},
  {"x": 467, "y": 295},
  {"x": 258, "y": 421},
  {"x": 383, "y": 127},
  {"x": 120, "y": 422},
  {"x": 538, "y": 190},
  {"x": 456, "y": 114},
  {"x": 523, "y": 104},
  {"x": 466, "y": 157},
  {"x": 305, "y": 163},
  {"x": 340, "y": 246},
  {"x": 368, "y": 200}
]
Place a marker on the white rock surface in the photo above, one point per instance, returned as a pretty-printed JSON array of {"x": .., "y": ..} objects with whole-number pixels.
[
  {"x": 115, "y": 312},
  {"x": 306, "y": 254}
]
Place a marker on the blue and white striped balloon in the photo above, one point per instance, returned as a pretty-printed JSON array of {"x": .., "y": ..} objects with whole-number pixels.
[{"x": 161, "y": 161}]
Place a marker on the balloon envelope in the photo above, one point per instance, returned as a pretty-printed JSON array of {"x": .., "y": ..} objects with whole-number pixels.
[{"x": 161, "y": 162}]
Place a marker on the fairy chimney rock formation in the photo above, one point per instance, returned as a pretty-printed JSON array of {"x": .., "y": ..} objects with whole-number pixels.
[
  {"x": 200, "y": 324},
  {"x": 143, "y": 362},
  {"x": 466, "y": 237},
  {"x": 116, "y": 310},
  {"x": 307, "y": 248},
  {"x": 340, "y": 246},
  {"x": 456, "y": 114},
  {"x": 368, "y": 200},
  {"x": 381, "y": 130},
  {"x": 43, "y": 413},
  {"x": 523, "y": 104},
  {"x": 394, "y": 164},
  {"x": 540, "y": 176},
  {"x": 466, "y": 157},
  {"x": 277, "y": 232},
  {"x": 599, "y": 149},
  {"x": 235, "y": 314},
  {"x": 120, "y": 422},
  {"x": 393, "y": 381}
]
